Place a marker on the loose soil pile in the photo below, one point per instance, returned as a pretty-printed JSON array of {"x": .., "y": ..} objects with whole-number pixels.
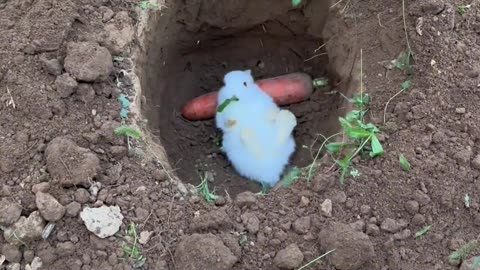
[{"x": 64, "y": 65}]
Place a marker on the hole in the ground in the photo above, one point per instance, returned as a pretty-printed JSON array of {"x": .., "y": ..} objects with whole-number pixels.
[{"x": 193, "y": 44}]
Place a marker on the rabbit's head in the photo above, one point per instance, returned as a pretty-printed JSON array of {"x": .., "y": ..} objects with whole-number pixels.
[
  {"x": 239, "y": 79},
  {"x": 239, "y": 83}
]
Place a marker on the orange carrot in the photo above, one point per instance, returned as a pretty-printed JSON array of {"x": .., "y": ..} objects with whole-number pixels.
[{"x": 286, "y": 89}]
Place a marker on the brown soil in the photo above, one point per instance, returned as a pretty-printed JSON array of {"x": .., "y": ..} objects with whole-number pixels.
[{"x": 56, "y": 132}]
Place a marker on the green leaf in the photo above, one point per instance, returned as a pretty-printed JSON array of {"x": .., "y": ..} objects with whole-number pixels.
[
  {"x": 423, "y": 231},
  {"x": 226, "y": 103},
  {"x": 353, "y": 116},
  {"x": 377, "y": 149},
  {"x": 128, "y": 131},
  {"x": 334, "y": 147},
  {"x": 357, "y": 133},
  {"x": 292, "y": 176},
  {"x": 345, "y": 124},
  {"x": 403, "y": 60},
  {"x": 406, "y": 84},
  {"x": 404, "y": 163},
  {"x": 320, "y": 82},
  {"x": 296, "y": 3}
]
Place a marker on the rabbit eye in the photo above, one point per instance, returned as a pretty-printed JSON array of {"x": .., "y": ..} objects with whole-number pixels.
[{"x": 245, "y": 83}]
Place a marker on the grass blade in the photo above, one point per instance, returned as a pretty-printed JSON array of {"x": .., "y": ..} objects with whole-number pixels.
[
  {"x": 404, "y": 163},
  {"x": 423, "y": 231},
  {"x": 226, "y": 103},
  {"x": 335, "y": 147},
  {"x": 377, "y": 149}
]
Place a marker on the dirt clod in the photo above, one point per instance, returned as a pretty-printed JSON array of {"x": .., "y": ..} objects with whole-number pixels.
[
  {"x": 119, "y": 33},
  {"x": 73, "y": 209},
  {"x": 70, "y": 163},
  {"x": 41, "y": 187},
  {"x": 213, "y": 220},
  {"x": 85, "y": 93},
  {"x": 12, "y": 253},
  {"x": 289, "y": 258},
  {"x": 392, "y": 226},
  {"x": 302, "y": 225},
  {"x": 353, "y": 249},
  {"x": 421, "y": 197},
  {"x": 9, "y": 212},
  {"x": 412, "y": 207},
  {"x": 246, "y": 198},
  {"x": 66, "y": 85},
  {"x": 251, "y": 222},
  {"x": 25, "y": 229},
  {"x": 49, "y": 207},
  {"x": 203, "y": 251},
  {"x": 88, "y": 61}
]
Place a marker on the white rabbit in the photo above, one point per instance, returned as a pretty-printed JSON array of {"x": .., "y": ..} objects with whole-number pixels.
[{"x": 257, "y": 134}]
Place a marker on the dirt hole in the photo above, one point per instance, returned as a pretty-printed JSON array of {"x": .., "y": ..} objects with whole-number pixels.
[{"x": 189, "y": 47}]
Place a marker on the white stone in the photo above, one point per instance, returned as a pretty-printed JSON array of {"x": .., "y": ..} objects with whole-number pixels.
[
  {"x": 103, "y": 221},
  {"x": 36, "y": 264},
  {"x": 326, "y": 207}
]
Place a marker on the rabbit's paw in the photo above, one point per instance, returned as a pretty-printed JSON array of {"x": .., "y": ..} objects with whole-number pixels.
[
  {"x": 272, "y": 114},
  {"x": 286, "y": 122},
  {"x": 250, "y": 141}
]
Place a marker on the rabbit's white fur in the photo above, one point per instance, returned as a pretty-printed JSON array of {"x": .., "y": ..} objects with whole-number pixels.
[{"x": 257, "y": 134}]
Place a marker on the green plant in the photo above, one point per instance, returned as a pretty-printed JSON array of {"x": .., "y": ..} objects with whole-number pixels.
[
  {"x": 405, "y": 85},
  {"x": 131, "y": 249},
  {"x": 243, "y": 239},
  {"x": 404, "y": 61},
  {"x": 423, "y": 231},
  {"x": 404, "y": 163},
  {"x": 296, "y": 3},
  {"x": 226, "y": 103},
  {"x": 291, "y": 177},
  {"x": 205, "y": 191},
  {"x": 466, "y": 201},
  {"x": 463, "y": 252},
  {"x": 148, "y": 5},
  {"x": 129, "y": 132},
  {"x": 461, "y": 9},
  {"x": 361, "y": 138},
  {"x": 476, "y": 264}
]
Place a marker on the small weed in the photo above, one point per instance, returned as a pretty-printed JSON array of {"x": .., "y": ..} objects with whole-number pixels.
[
  {"x": 361, "y": 138},
  {"x": 462, "y": 253},
  {"x": 317, "y": 83},
  {"x": 243, "y": 239},
  {"x": 423, "y": 231},
  {"x": 205, "y": 191},
  {"x": 405, "y": 85},
  {"x": 131, "y": 249},
  {"x": 476, "y": 264},
  {"x": 128, "y": 131},
  {"x": 148, "y": 5},
  {"x": 467, "y": 200},
  {"x": 404, "y": 163},
  {"x": 291, "y": 177},
  {"x": 462, "y": 9},
  {"x": 296, "y": 3},
  {"x": 404, "y": 61}
]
